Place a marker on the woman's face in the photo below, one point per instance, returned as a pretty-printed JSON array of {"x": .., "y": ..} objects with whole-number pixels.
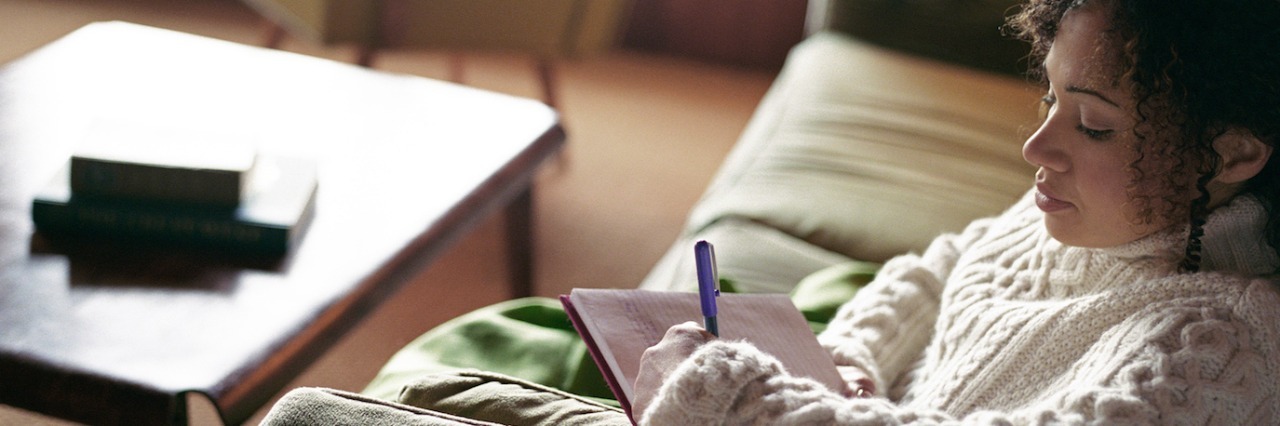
[{"x": 1084, "y": 146}]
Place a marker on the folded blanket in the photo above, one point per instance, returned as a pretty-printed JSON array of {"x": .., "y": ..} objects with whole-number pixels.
[
  {"x": 318, "y": 406},
  {"x": 507, "y": 400}
]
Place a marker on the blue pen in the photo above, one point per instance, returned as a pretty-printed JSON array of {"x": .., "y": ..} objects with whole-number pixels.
[{"x": 704, "y": 255}]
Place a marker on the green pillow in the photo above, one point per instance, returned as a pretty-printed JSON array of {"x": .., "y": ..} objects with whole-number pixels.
[
  {"x": 529, "y": 338},
  {"x": 820, "y": 294}
]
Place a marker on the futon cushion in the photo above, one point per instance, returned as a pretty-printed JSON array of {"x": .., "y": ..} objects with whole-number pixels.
[{"x": 871, "y": 153}]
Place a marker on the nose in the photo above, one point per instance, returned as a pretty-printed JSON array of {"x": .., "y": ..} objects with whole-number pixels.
[{"x": 1043, "y": 150}]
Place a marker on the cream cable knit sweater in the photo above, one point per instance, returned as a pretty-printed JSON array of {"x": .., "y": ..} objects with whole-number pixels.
[{"x": 1028, "y": 331}]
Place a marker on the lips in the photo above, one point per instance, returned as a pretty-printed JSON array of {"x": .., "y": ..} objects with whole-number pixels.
[{"x": 1046, "y": 201}]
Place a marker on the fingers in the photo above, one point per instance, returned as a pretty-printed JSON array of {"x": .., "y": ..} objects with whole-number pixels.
[
  {"x": 689, "y": 330},
  {"x": 679, "y": 343},
  {"x": 657, "y": 362}
]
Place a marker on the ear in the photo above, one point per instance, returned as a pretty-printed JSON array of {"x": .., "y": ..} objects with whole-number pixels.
[{"x": 1243, "y": 156}]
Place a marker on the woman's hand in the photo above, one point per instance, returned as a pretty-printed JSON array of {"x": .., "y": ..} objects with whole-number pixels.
[
  {"x": 659, "y": 360},
  {"x": 858, "y": 383}
]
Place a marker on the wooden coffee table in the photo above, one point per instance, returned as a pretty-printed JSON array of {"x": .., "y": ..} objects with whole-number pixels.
[{"x": 112, "y": 333}]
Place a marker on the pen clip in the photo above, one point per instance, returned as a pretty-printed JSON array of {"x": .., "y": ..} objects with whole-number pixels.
[
  {"x": 708, "y": 276},
  {"x": 715, "y": 270}
]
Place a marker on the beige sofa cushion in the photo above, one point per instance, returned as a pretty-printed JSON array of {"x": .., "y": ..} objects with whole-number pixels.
[{"x": 871, "y": 153}]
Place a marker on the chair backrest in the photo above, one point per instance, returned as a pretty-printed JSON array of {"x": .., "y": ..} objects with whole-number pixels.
[{"x": 544, "y": 27}]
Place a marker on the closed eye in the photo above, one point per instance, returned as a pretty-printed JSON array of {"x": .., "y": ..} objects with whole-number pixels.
[
  {"x": 1095, "y": 134},
  {"x": 1048, "y": 101}
]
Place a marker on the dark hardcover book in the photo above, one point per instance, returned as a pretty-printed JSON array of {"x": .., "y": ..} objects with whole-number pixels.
[
  {"x": 158, "y": 164},
  {"x": 270, "y": 221}
]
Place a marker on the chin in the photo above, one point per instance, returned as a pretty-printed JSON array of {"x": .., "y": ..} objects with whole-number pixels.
[
  {"x": 1072, "y": 236},
  {"x": 1089, "y": 237}
]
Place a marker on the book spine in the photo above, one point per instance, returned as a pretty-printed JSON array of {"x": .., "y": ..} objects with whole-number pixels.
[
  {"x": 111, "y": 179},
  {"x": 186, "y": 226}
]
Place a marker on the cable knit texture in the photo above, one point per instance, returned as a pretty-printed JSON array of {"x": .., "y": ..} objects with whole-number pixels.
[{"x": 1001, "y": 324}]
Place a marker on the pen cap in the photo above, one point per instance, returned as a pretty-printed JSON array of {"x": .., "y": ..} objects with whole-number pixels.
[{"x": 708, "y": 279}]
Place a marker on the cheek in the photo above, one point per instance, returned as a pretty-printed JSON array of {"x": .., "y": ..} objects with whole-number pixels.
[
  {"x": 1105, "y": 186},
  {"x": 1105, "y": 170}
]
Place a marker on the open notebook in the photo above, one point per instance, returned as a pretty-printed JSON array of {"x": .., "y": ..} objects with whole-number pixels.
[{"x": 618, "y": 325}]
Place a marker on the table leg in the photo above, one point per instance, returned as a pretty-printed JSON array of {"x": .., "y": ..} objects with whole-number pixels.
[
  {"x": 547, "y": 82},
  {"x": 273, "y": 35},
  {"x": 519, "y": 217},
  {"x": 365, "y": 55}
]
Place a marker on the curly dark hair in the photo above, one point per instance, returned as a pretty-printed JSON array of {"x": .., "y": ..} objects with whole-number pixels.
[{"x": 1199, "y": 69}]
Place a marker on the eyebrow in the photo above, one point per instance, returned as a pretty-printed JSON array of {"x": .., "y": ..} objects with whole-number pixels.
[{"x": 1088, "y": 91}]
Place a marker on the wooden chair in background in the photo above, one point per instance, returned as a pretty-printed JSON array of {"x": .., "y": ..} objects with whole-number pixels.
[{"x": 545, "y": 29}]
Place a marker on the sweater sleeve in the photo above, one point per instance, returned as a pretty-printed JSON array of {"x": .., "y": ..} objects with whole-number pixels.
[
  {"x": 886, "y": 326},
  {"x": 735, "y": 383},
  {"x": 1190, "y": 362}
]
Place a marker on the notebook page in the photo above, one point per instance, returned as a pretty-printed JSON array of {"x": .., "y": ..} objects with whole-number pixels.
[{"x": 626, "y": 322}]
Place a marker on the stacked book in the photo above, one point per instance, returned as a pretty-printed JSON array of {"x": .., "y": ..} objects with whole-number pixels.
[{"x": 161, "y": 187}]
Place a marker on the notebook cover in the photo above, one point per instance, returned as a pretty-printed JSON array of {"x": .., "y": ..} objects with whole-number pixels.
[{"x": 596, "y": 356}]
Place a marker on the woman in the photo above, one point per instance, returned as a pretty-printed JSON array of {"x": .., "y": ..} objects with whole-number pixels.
[{"x": 1132, "y": 284}]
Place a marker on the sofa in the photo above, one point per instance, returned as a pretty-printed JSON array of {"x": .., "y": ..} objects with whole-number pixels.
[
  {"x": 863, "y": 151},
  {"x": 892, "y": 122}
]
